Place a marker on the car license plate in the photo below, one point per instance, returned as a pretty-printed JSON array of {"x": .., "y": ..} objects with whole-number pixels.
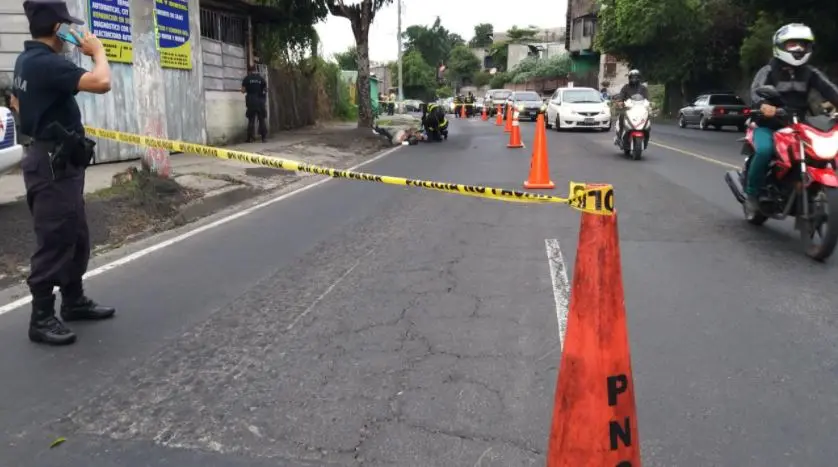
[
  {"x": 733, "y": 112},
  {"x": 589, "y": 120}
]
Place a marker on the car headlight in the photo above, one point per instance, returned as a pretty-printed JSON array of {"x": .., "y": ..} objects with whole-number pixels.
[
  {"x": 520, "y": 107},
  {"x": 544, "y": 108}
]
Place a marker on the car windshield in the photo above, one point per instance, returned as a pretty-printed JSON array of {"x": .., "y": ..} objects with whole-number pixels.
[
  {"x": 501, "y": 94},
  {"x": 526, "y": 96},
  {"x": 582, "y": 96},
  {"x": 726, "y": 100}
]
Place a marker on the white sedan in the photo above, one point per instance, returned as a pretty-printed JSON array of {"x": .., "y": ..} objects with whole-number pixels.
[
  {"x": 578, "y": 108},
  {"x": 10, "y": 151}
]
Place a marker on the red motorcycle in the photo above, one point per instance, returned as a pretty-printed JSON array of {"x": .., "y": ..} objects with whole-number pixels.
[{"x": 801, "y": 180}]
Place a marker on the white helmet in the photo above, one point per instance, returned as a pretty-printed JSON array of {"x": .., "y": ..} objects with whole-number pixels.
[{"x": 793, "y": 44}]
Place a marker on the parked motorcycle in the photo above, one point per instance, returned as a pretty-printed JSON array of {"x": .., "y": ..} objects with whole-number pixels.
[
  {"x": 801, "y": 181},
  {"x": 636, "y": 126}
]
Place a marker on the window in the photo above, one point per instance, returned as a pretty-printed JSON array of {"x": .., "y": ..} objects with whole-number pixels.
[
  {"x": 223, "y": 27},
  {"x": 576, "y": 29},
  {"x": 726, "y": 100},
  {"x": 610, "y": 59},
  {"x": 610, "y": 70},
  {"x": 588, "y": 27}
]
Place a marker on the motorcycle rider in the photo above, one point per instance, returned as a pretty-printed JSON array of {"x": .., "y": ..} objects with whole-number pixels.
[
  {"x": 793, "y": 78},
  {"x": 633, "y": 87}
]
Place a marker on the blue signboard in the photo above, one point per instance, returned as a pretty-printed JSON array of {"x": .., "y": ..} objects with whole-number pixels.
[
  {"x": 110, "y": 21},
  {"x": 172, "y": 28}
]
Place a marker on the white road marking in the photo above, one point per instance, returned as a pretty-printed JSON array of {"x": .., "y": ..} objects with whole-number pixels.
[
  {"x": 167, "y": 243},
  {"x": 561, "y": 286},
  {"x": 327, "y": 291}
]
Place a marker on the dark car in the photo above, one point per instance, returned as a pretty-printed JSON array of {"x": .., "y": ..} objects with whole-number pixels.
[
  {"x": 715, "y": 110},
  {"x": 528, "y": 103}
]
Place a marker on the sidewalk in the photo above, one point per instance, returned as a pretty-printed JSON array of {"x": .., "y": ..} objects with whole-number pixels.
[{"x": 206, "y": 185}]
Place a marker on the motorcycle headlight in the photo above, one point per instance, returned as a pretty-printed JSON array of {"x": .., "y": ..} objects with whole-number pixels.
[
  {"x": 544, "y": 108},
  {"x": 520, "y": 107}
]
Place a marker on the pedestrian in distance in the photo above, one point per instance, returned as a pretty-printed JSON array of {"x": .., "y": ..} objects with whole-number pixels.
[
  {"x": 255, "y": 89},
  {"x": 56, "y": 156}
]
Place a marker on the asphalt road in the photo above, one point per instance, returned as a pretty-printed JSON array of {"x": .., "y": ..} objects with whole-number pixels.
[{"x": 364, "y": 324}]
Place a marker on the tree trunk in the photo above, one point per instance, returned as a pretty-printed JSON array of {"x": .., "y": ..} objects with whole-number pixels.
[{"x": 364, "y": 98}]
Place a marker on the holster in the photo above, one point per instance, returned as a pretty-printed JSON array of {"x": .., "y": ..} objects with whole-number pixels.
[{"x": 71, "y": 149}]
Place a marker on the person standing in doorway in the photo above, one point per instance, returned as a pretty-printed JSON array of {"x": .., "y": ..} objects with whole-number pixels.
[
  {"x": 57, "y": 154},
  {"x": 255, "y": 89}
]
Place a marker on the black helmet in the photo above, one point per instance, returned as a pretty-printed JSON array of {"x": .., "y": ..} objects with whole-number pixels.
[{"x": 634, "y": 77}]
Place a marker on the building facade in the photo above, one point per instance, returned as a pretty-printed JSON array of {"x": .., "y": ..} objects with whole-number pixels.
[{"x": 177, "y": 67}]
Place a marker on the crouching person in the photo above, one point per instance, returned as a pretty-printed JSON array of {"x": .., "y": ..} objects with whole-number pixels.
[{"x": 434, "y": 122}]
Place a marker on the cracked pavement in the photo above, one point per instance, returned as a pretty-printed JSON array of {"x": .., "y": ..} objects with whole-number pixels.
[{"x": 358, "y": 324}]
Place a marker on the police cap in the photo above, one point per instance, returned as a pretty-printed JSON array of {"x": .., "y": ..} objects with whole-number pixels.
[{"x": 48, "y": 12}]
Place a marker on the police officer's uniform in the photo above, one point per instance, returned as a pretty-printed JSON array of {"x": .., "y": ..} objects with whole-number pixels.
[
  {"x": 56, "y": 154},
  {"x": 256, "y": 89}
]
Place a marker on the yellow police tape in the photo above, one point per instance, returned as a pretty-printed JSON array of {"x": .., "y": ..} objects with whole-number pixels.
[{"x": 594, "y": 199}]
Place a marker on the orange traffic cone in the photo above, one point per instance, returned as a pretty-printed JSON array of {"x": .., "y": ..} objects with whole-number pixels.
[
  {"x": 485, "y": 116},
  {"x": 515, "y": 135},
  {"x": 539, "y": 167},
  {"x": 508, "y": 127},
  {"x": 594, "y": 415},
  {"x": 499, "y": 117},
  {"x": 463, "y": 111}
]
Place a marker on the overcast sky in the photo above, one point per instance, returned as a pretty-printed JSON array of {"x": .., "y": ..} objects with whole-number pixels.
[{"x": 458, "y": 16}]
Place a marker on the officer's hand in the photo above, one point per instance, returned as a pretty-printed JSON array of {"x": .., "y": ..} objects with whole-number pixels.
[
  {"x": 90, "y": 44},
  {"x": 768, "y": 110}
]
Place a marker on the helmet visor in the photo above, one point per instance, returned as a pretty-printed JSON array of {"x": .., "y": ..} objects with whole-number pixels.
[{"x": 797, "y": 48}]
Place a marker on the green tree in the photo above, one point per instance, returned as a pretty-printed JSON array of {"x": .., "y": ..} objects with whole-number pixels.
[
  {"x": 481, "y": 79},
  {"x": 348, "y": 60},
  {"x": 462, "y": 64},
  {"x": 499, "y": 80},
  {"x": 516, "y": 35},
  {"x": 483, "y": 33},
  {"x": 660, "y": 37},
  {"x": 360, "y": 14},
  {"x": 419, "y": 76},
  {"x": 434, "y": 43}
]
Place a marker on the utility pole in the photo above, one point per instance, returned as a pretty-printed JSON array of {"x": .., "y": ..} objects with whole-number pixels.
[{"x": 399, "y": 35}]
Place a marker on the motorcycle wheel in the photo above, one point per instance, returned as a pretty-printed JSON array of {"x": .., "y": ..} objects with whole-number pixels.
[
  {"x": 825, "y": 202},
  {"x": 638, "y": 149}
]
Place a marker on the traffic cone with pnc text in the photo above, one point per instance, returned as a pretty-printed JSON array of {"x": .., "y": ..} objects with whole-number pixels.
[
  {"x": 508, "y": 127},
  {"x": 594, "y": 414},
  {"x": 462, "y": 110},
  {"x": 539, "y": 177},
  {"x": 515, "y": 135},
  {"x": 499, "y": 117},
  {"x": 485, "y": 116}
]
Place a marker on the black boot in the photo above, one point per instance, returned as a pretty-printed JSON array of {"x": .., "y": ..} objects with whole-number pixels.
[
  {"x": 44, "y": 327},
  {"x": 84, "y": 309}
]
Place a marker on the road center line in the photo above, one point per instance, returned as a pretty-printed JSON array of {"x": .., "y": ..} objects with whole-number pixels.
[
  {"x": 177, "y": 239},
  {"x": 697, "y": 156},
  {"x": 561, "y": 286},
  {"x": 327, "y": 291}
]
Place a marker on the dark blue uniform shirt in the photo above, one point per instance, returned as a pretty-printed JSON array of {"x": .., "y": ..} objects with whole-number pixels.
[{"x": 45, "y": 84}]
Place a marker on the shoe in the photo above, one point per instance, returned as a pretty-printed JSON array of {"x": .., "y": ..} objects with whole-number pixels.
[
  {"x": 45, "y": 328},
  {"x": 84, "y": 309}
]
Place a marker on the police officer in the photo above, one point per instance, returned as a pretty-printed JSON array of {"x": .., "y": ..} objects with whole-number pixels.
[
  {"x": 255, "y": 89},
  {"x": 45, "y": 85}
]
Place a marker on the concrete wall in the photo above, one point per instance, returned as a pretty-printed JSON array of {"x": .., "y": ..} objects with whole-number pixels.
[
  {"x": 518, "y": 52},
  {"x": 225, "y": 66},
  {"x": 616, "y": 82},
  {"x": 14, "y": 31},
  {"x": 145, "y": 98}
]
